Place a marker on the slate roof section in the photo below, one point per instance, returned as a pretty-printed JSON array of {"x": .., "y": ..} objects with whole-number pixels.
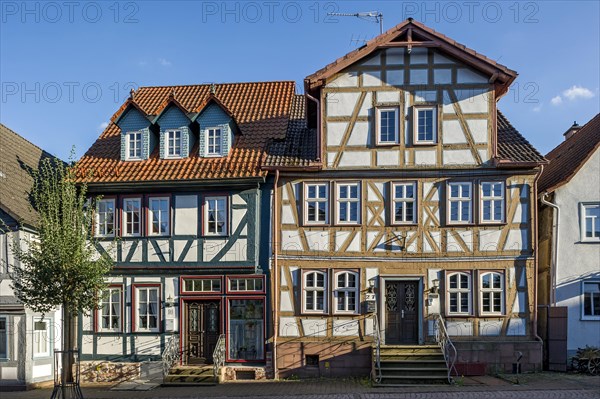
[
  {"x": 299, "y": 148},
  {"x": 512, "y": 146},
  {"x": 570, "y": 155},
  {"x": 18, "y": 157},
  {"x": 261, "y": 111}
]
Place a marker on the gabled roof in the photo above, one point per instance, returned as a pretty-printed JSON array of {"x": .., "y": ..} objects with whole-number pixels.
[
  {"x": 513, "y": 147},
  {"x": 299, "y": 148},
  {"x": 129, "y": 103},
  {"x": 411, "y": 33},
  {"x": 18, "y": 156},
  {"x": 570, "y": 155},
  {"x": 261, "y": 110},
  {"x": 212, "y": 99}
]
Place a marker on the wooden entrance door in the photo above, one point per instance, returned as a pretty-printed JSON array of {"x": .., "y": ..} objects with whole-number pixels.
[
  {"x": 401, "y": 312},
  {"x": 203, "y": 326}
]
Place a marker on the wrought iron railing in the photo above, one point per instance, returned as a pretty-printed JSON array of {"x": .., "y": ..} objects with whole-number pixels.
[
  {"x": 445, "y": 343},
  {"x": 219, "y": 355},
  {"x": 171, "y": 355},
  {"x": 376, "y": 375}
]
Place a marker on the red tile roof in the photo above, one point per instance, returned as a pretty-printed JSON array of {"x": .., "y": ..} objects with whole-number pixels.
[
  {"x": 261, "y": 111},
  {"x": 570, "y": 155}
]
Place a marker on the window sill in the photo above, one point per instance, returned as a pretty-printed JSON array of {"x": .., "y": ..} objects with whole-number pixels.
[
  {"x": 588, "y": 242},
  {"x": 425, "y": 144},
  {"x": 348, "y": 224},
  {"x": 459, "y": 224},
  {"x": 590, "y": 318},
  {"x": 492, "y": 224},
  {"x": 133, "y": 159},
  {"x": 386, "y": 144},
  {"x": 404, "y": 224}
]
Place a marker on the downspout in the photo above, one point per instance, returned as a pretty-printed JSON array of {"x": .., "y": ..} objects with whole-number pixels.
[
  {"x": 275, "y": 290},
  {"x": 536, "y": 257},
  {"x": 555, "y": 243},
  {"x": 318, "y": 124}
]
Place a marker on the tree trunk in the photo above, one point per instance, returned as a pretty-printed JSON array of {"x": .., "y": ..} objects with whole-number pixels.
[{"x": 69, "y": 342}]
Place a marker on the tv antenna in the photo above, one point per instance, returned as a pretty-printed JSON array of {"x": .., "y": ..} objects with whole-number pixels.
[{"x": 373, "y": 16}]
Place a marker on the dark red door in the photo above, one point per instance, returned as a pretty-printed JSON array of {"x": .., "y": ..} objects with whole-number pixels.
[
  {"x": 401, "y": 312},
  {"x": 203, "y": 329}
]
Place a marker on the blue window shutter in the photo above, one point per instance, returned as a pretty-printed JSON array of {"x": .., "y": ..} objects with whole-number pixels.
[
  {"x": 163, "y": 144},
  {"x": 123, "y": 146},
  {"x": 202, "y": 143}
]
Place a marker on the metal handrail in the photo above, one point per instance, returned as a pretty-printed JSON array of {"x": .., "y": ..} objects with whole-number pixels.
[
  {"x": 219, "y": 355},
  {"x": 171, "y": 354},
  {"x": 377, "y": 336},
  {"x": 445, "y": 343}
]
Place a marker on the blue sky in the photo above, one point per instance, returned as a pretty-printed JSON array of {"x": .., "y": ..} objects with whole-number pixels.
[{"x": 65, "y": 67}]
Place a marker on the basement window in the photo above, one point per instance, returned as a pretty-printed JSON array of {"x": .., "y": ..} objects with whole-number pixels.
[{"x": 312, "y": 360}]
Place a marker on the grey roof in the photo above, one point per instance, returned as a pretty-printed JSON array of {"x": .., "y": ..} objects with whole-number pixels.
[{"x": 512, "y": 146}]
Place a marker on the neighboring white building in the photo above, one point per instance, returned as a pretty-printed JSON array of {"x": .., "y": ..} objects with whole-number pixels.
[
  {"x": 569, "y": 190},
  {"x": 26, "y": 353}
]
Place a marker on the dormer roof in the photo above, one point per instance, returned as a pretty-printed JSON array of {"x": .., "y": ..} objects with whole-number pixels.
[{"x": 171, "y": 101}]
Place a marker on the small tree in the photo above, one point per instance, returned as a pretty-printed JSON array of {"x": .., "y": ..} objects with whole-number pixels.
[{"x": 61, "y": 267}]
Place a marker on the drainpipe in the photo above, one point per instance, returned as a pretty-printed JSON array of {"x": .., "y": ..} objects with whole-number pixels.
[
  {"x": 318, "y": 124},
  {"x": 275, "y": 274},
  {"x": 555, "y": 243},
  {"x": 536, "y": 256}
]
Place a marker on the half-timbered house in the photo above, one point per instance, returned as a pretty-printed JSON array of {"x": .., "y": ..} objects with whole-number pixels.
[
  {"x": 183, "y": 207},
  {"x": 400, "y": 182}
]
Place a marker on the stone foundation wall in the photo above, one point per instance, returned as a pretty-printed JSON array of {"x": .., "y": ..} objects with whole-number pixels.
[
  {"x": 499, "y": 356},
  {"x": 103, "y": 371},
  {"x": 228, "y": 373},
  {"x": 335, "y": 359}
]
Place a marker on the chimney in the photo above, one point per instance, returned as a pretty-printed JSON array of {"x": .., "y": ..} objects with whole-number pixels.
[{"x": 571, "y": 131}]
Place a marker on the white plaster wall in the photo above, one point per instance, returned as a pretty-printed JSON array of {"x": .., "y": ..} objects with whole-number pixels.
[
  {"x": 186, "y": 215},
  {"x": 577, "y": 260}
]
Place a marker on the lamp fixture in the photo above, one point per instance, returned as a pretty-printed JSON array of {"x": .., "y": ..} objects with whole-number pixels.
[{"x": 435, "y": 286}]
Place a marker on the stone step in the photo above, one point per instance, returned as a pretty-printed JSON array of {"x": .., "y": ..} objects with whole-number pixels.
[
  {"x": 414, "y": 371},
  {"x": 196, "y": 379},
  {"x": 386, "y": 380}
]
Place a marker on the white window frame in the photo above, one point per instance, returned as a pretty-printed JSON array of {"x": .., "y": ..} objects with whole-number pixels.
[
  {"x": 126, "y": 217},
  {"x": 348, "y": 200},
  {"x": 318, "y": 199},
  {"x": 138, "y": 314},
  {"x": 171, "y": 142},
  {"x": 216, "y": 199},
  {"x": 583, "y": 292},
  {"x": 215, "y": 142},
  {"x": 379, "y": 111},
  {"x": 492, "y": 291},
  {"x": 151, "y": 213},
  {"x": 316, "y": 290},
  {"x": 137, "y": 148},
  {"x": 100, "y": 315},
  {"x": 417, "y": 109},
  {"x": 105, "y": 224},
  {"x": 405, "y": 200},
  {"x": 4, "y": 339},
  {"x": 460, "y": 200},
  {"x": 460, "y": 293},
  {"x": 493, "y": 199},
  {"x": 40, "y": 336},
  {"x": 583, "y": 221},
  {"x": 344, "y": 291}
]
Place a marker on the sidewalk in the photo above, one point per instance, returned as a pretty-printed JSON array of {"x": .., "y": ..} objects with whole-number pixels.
[{"x": 556, "y": 384}]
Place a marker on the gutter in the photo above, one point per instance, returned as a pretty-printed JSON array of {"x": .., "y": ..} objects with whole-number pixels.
[{"x": 555, "y": 245}]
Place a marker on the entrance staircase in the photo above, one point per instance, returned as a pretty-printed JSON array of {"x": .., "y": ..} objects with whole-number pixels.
[
  {"x": 405, "y": 365},
  {"x": 190, "y": 375}
]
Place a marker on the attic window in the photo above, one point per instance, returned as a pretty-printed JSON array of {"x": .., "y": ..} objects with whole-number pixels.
[
  {"x": 134, "y": 145},
  {"x": 174, "y": 144},
  {"x": 213, "y": 142}
]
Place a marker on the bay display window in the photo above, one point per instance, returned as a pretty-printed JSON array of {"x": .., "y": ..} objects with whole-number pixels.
[
  {"x": 202, "y": 285},
  {"x": 387, "y": 122},
  {"x": 147, "y": 306},
  {"x": 213, "y": 141},
  {"x": 134, "y": 145},
  {"x": 404, "y": 203},
  {"x": 3, "y": 338},
  {"x": 348, "y": 203},
  {"x": 425, "y": 123},
  {"x": 158, "y": 215},
  {"x": 346, "y": 292},
  {"x": 215, "y": 216},
  {"x": 246, "y": 329},
  {"x": 491, "y": 293},
  {"x": 459, "y": 294},
  {"x": 173, "y": 143},
  {"x": 314, "y": 290},
  {"x": 590, "y": 222},
  {"x": 41, "y": 337},
  {"x": 460, "y": 200},
  {"x": 492, "y": 202},
  {"x": 591, "y": 300},
  {"x": 109, "y": 311},
  {"x": 105, "y": 218},
  {"x": 316, "y": 200},
  {"x": 132, "y": 216}
]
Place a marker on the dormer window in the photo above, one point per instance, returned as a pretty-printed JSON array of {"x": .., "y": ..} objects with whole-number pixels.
[
  {"x": 173, "y": 143},
  {"x": 425, "y": 125},
  {"x": 213, "y": 142},
  {"x": 134, "y": 145}
]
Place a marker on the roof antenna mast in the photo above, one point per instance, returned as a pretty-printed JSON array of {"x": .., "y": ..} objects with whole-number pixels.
[{"x": 373, "y": 16}]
